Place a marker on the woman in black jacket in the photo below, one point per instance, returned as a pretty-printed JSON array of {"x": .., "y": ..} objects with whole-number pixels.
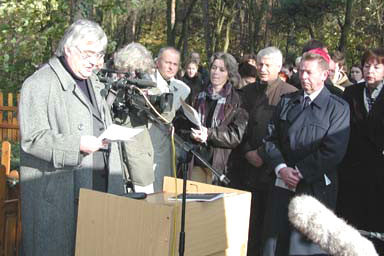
[
  {"x": 223, "y": 122},
  {"x": 193, "y": 79},
  {"x": 361, "y": 175}
]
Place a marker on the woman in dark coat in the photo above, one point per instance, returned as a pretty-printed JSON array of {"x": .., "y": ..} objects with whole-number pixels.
[
  {"x": 193, "y": 79},
  {"x": 361, "y": 177},
  {"x": 223, "y": 121}
]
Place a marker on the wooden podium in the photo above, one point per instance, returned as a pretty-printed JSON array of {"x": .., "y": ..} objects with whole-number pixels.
[{"x": 116, "y": 225}]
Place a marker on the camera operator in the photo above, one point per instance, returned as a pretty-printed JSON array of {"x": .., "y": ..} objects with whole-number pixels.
[
  {"x": 62, "y": 113},
  {"x": 138, "y": 152},
  {"x": 167, "y": 65}
]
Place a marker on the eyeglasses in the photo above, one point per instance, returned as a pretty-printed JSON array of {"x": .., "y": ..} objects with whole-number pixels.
[{"x": 86, "y": 55}]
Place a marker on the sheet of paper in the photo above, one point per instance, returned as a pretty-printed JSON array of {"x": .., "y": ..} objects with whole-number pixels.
[
  {"x": 190, "y": 113},
  {"x": 199, "y": 197},
  {"x": 280, "y": 183},
  {"x": 116, "y": 132}
]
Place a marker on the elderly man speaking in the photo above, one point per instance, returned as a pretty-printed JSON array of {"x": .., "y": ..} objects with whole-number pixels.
[{"x": 61, "y": 116}]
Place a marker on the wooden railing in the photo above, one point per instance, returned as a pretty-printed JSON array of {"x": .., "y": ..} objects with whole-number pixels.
[
  {"x": 10, "y": 219},
  {"x": 9, "y": 124}
]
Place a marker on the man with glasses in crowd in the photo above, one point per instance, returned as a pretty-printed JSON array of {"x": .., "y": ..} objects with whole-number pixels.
[{"x": 62, "y": 115}]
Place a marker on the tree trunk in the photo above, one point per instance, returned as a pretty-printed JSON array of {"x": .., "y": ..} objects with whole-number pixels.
[
  {"x": 346, "y": 27},
  {"x": 259, "y": 12},
  {"x": 171, "y": 22},
  {"x": 185, "y": 24},
  {"x": 72, "y": 8},
  {"x": 133, "y": 24},
  {"x": 268, "y": 18},
  {"x": 207, "y": 29},
  {"x": 311, "y": 32},
  {"x": 230, "y": 21},
  {"x": 77, "y": 10},
  {"x": 227, "y": 35}
]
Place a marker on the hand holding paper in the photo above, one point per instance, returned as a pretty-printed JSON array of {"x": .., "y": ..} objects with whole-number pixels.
[
  {"x": 200, "y": 135},
  {"x": 190, "y": 113},
  {"x": 116, "y": 132}
]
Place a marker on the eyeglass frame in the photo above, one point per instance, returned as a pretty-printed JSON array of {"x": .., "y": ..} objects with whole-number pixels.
[{"x": 87, "y": 56}]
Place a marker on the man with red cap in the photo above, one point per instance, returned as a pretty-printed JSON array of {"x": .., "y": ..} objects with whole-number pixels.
[
  {"x": 307, "y": 139},
  {"x": 310, "y": 45}
]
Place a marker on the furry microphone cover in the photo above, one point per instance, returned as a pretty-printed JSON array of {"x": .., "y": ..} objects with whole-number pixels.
[{"x": 323, "y": 227}]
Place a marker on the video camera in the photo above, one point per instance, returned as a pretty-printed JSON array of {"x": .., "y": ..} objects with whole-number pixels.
[{"x": 124, "y": 91}]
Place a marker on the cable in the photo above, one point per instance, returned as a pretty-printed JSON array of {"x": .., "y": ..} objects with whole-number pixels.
[
  {"x": 175, "y": 208},
  {"x": 151, "y": 106}
]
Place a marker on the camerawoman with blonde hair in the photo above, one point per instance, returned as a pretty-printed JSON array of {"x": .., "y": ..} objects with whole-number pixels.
[{"x": 138, "y": 152}]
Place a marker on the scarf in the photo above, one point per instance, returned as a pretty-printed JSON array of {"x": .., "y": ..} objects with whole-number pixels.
[{"x": 218, "y": 114}]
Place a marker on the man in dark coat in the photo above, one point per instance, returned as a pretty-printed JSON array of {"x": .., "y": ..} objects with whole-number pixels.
[
  {"x": 310, "y": 45},
  {"x": 62, "y": 113},
  {"x": 259, "y": 100},
  {"x": 362, "y": 171},
  {"x": 307, "y": 139}
]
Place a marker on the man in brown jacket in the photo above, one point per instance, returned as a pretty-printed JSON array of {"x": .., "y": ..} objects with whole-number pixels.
[{"x": 248, "y": 171}]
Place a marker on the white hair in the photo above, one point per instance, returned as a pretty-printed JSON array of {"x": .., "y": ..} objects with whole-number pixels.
[
  {"x": 271, "y": 52},
  {"x": 81, "y": 30}
]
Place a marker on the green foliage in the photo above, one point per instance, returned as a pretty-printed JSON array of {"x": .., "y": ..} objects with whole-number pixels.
[
  {"x": 29, "y": 30},
  {"x": 15, "y": 155}
]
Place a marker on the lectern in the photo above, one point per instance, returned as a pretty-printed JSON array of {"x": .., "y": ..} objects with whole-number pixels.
[{"x": 115, "y": 225}]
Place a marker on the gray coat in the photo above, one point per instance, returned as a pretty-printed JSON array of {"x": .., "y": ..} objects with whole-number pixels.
[
  {"x": 160, "y": 136},
  {"x": 53, "y": 115}
]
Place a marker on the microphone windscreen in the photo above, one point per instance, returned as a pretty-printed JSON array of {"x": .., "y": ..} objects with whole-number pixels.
[{"x": 323, "y": 227}]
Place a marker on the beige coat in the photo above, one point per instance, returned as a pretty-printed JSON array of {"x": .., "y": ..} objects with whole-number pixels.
[{"x": 161, "y": 137}]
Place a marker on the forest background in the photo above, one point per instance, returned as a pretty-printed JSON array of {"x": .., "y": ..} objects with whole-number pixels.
[{"x": 31, "y": 29}]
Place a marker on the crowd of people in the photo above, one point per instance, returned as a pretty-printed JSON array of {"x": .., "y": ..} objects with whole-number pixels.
[{"x": 275, "y": 129}]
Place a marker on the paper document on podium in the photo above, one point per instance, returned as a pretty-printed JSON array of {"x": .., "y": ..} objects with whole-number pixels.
[
  {"x": 190, "y": 113},
  {"x": 116, "y": 132},
  {"x": 199, "y": 197}
]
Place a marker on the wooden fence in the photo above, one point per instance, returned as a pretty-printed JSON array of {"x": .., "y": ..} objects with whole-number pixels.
[
  {"x": 9, "y": 124},
  {"x": 10, "y": 219}
]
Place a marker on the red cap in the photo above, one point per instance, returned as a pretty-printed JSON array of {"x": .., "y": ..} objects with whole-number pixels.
[{"x": 322, "y": 53}]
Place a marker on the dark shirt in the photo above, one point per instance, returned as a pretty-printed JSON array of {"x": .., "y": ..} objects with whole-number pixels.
[{"x": 81, "y": 83}]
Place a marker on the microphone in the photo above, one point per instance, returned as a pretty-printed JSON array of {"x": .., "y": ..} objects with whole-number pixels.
[
  {"x": 109, "y": 71},
  {"x": 106, "y": 80},
  {"x": 107, "y": 85},
  {"x": 142, "y": 83},
  {"x": 323, "y": 227}
]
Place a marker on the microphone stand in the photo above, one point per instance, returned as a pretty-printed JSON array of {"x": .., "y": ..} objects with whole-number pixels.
[{"x": 188, "y": 148}]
